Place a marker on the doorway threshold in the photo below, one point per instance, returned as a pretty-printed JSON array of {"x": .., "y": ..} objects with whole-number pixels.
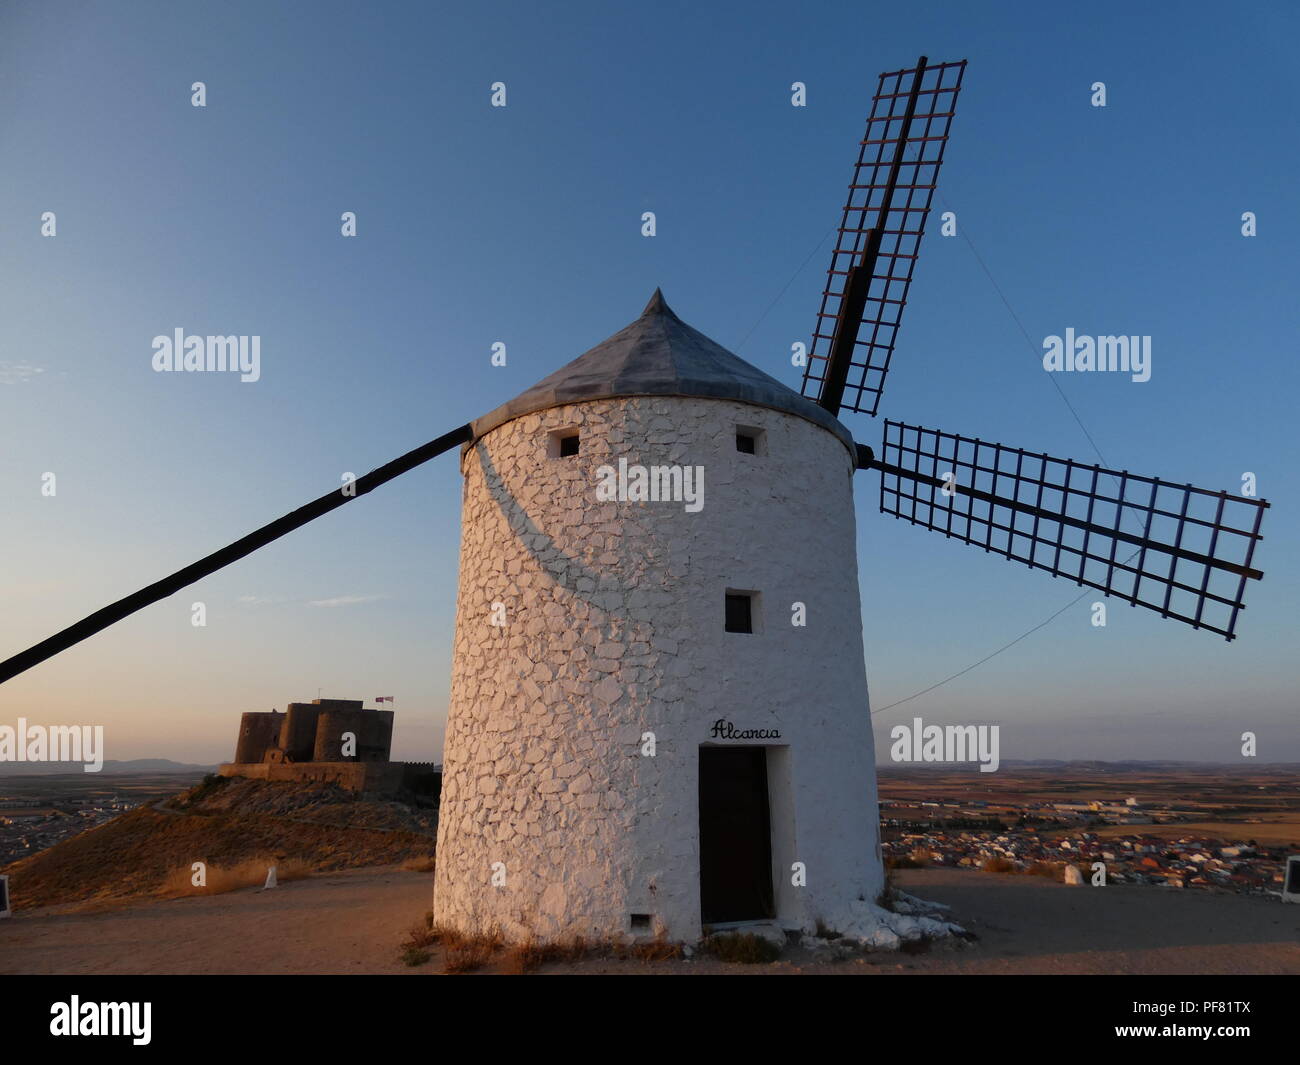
[{"x": 732, "y": 926}]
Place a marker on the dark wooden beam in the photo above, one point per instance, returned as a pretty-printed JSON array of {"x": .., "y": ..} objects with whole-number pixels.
[{"x": 296, "y": 519}]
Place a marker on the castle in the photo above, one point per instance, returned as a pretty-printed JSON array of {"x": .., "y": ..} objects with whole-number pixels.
[{"x": 338, "y": 741}]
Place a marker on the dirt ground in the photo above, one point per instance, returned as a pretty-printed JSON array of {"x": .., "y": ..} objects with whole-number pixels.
[{"x": 355, "y": 921}]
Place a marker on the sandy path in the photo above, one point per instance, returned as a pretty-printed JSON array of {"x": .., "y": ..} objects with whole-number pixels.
[
  {"x": 1028, "y": 924},
  {"x": 353, "y": 922},
  {"x": 345, "y": 922}
]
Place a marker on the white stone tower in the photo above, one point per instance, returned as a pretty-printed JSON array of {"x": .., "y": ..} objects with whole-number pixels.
[{"x": 622, "y": 757}]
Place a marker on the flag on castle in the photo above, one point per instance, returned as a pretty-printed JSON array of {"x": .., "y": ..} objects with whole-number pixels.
[{"x": 383, "y": 698}]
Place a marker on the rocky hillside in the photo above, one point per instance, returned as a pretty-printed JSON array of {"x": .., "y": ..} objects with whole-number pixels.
[{"x": 224, "y": 823}]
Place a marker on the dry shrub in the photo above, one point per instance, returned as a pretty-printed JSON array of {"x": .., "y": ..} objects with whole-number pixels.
[
  {"x": 529, "y": 955},
  {"x": 524, "y": 958},
  {"x": 422, "y": 935},
  {"x": 998, "y": 865},
  {"x": 413, "y": 956},
  {"x": 415, "y": 950},
  {"x": 657, "y": 949},
  {"x": 743, "y": 947},
  {"x": 575, "y": 948},
  {"x": 453, "y": 938},
  {"x": 422, "y": 864},
  {"x": 462, "y": 952},
  {"x": 472, "y": 952},
  {"x": 186, "y": 800},
  {"x": 251, "y": 873}
]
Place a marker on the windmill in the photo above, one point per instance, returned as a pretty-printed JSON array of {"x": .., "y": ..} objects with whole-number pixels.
[{"x": 638, "y": 742}]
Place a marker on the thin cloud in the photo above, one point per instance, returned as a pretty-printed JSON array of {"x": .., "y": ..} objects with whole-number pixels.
[
  {"x": 346, "y": 600},
  {"x": 17, "y": 373}
]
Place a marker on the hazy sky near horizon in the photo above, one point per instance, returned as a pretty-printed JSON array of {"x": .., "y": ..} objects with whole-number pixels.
[{"x": 522, "y": 225}]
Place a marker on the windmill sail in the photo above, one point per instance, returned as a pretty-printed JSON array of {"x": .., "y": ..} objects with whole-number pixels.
[
  {"x": 296, "y": 519},
  {"x": 880, "y": 234},
  {"x": 1182, "y": 551}
]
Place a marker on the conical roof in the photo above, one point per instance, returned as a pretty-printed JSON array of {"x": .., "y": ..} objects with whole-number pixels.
[{"x": 660, "y": 355}]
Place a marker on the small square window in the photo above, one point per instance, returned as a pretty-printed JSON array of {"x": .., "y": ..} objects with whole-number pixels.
[
  {"x": 639, "y": 922},
  {"x": 751, "y": 440},
  {"x": 563, "y": 443},
  {"x": 740, "y": 612}
]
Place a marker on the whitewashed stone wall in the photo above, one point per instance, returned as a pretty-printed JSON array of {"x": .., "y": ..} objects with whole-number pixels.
[{"x": 614, "y": 628}]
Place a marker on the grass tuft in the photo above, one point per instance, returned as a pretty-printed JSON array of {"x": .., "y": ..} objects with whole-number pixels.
[
  {"x": 222, "y": 879},
  {"x": 464, "y": 953},
  {"x": 657, "y": 949},
  {"x": 414, "y": 956},
  {"x": 743, "y": 947}
]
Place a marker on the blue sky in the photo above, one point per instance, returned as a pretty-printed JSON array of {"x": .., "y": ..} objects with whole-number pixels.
[{"x": 522, "y": 225}]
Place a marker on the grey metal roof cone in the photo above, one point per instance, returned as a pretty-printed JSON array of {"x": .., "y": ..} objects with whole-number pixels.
[{"x": 660, "y": 355}]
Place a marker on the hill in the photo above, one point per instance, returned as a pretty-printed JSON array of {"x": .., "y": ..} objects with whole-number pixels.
[{"x": 225, "y": 824}]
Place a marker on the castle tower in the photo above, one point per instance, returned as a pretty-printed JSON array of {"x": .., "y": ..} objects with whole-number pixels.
[
  {"x": 259, "y": 732},
  {"x": 658, "y": 712}
]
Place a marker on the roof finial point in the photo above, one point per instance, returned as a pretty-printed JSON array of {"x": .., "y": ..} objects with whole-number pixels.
[{"x": 657, "y": 305}]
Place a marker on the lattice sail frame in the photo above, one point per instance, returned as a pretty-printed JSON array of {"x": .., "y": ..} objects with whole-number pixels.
[
  {"x": 899, "y": 209},
  {"x": 1187, "y": 562}
]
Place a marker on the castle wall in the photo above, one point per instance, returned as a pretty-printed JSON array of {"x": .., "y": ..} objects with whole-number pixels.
[
  {"x": 258, "y": 732},
  {"x": 373, "y": 730},
  {"x": 614, "y": 629},
  {"x": 384, "y": 778}
]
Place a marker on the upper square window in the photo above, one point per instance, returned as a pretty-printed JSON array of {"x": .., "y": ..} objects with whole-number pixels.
[
  {"x": 563, "y": 443},
  {"x": 751, "y": 441}
]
